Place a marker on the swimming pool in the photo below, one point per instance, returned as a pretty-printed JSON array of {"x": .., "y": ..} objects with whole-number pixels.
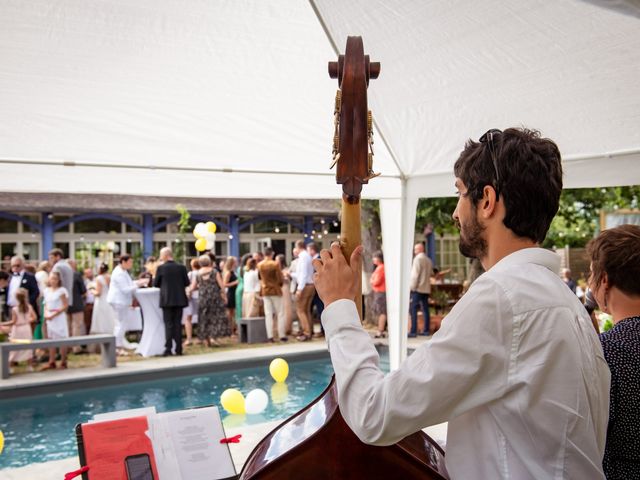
[{"x": 40, "y": 428}]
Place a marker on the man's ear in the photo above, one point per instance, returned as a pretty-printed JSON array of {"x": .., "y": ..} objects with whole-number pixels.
[{"x": 487, "y": 204}]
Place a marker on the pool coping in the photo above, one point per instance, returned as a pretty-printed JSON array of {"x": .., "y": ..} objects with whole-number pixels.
[{"x": 58, "y": 381}]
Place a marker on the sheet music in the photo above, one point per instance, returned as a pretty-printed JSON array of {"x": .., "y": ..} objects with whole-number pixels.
[{"x": 196, "y": 435}]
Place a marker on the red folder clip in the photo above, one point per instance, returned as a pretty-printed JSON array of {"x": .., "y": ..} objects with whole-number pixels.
[
  {"x": 234, "y": 439},
  {"x": 75, "y": 473}
]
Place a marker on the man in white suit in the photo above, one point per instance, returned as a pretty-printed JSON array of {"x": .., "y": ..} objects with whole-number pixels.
[{"x": 120, "y": 295}]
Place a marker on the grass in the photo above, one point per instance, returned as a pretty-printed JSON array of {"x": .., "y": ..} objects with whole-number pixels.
[{"x": 85, "y": 360}]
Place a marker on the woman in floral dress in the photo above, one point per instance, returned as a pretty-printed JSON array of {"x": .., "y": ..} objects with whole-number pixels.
[{"x": 212, "y": 317}]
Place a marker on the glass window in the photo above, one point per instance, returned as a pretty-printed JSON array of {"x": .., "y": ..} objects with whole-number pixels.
[
  {"x": 242, "y": 220},
  {"x": 8, "y": 249},
  {"x": 61, "y": 218},
  {"x": 245, "y": 247},
  {"x": 160, "y": 219},
  {"x": 271, "y": 226},
  {"x": 221, "y": 248},
  {"x": 97, "y": 225},
  {"x": 8, "y": 226},
  {"x": 64, "y": 246},
  {"x": 157, "y": 246},
  {"x": 35, "y": 218},
  {"x": 135, "y": 218},
  {"x": 31, "y": 251}
]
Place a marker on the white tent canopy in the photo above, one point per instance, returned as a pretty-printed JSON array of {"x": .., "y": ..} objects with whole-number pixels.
[{"x": 232, "y": 98}]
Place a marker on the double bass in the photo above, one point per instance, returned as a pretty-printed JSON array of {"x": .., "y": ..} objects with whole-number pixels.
[{"x": 316, "y": 442}]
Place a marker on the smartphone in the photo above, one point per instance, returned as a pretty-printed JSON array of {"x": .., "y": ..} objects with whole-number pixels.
[{"x": 138, "y": 467}]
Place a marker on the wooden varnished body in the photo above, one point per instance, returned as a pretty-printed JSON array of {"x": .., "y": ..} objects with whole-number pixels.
[{"x": 316, "y": 443}]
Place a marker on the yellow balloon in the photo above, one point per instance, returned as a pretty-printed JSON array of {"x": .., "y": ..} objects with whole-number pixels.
[
  {"x": 211, "y": 227},
  {"x": 201, "y": 244},
  {"x": 279, "y": 392},
  {"x": 1, "y": 441},
  {"x": 279, "y": 369},
  {"x": 232, "y": 401},
  {"x": 234, "y": 421}
]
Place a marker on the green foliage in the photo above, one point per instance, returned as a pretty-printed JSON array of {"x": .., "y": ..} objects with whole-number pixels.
[
  {"x": 608, "y": 325},
  {"x": 183, "y": 228},
  {"x": 578, "y": 218},
  {"x": 436, "y": 211},
  {"x": 577, "y": 221}
]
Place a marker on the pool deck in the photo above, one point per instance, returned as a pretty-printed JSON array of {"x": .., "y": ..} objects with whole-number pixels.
[{"x": 58, "y": 380}]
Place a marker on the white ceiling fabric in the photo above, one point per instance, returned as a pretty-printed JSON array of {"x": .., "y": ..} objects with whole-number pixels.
[{"x": 243, "y": 86}]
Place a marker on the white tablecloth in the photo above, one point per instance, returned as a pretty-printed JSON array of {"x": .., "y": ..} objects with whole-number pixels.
[
  {"x": 152, "y": 340},
  {"x": 133, "y": 322}
]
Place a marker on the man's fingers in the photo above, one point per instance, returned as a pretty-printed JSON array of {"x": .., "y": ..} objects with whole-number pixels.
[
  {"x": 325, "y": 255},
  {"x": 317, "y": 265},
  {"x": 336, "y": 250},
  {"x": 356, "y": 259}
]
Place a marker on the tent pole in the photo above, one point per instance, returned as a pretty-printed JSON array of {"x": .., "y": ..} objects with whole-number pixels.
[{"x": 397, "y": 239}]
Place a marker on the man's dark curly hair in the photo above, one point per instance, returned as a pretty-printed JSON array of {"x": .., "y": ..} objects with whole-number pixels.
[{"x": 528, "y": 181}]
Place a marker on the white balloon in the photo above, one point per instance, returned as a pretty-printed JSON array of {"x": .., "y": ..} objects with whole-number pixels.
[
  {"x": 201, "y": 229},
  {"x": 209, "y": 245},
  {"x": 210, "y": 237},
  {"x": 256, "y": 401}
]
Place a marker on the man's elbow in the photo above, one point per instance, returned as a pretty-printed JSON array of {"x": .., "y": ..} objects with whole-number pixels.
[{"x": 371, "y": 435}]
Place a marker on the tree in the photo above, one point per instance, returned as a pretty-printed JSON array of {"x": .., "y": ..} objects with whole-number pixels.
[
  {"x": 578, "y": 218},
  {"x": 436, "y": 211},
  {"x": 183, "y": 228}
]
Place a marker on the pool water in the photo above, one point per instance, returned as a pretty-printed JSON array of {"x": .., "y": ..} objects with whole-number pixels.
[{"x": 41, "y": 429}]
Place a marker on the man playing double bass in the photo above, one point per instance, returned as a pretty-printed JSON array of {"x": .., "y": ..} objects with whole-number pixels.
[{"x": 516, "y": 368}]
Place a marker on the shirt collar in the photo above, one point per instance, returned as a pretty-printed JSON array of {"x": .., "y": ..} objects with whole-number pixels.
[{"x": 538, "y": 256}]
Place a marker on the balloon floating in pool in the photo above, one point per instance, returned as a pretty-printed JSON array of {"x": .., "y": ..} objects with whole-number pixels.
[
  {"x": 279, "y": 392},
  {"x": 1, "y": 441},
  {"x": 256, "y": 401},
  {"x": 279, "y": 369},
  {"x": 233, "y": 401}
]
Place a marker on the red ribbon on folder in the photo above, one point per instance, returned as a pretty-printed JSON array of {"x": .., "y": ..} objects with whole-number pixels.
[
  {"x": 234, "y": 439},
  {"x": 75, "y": 473}
]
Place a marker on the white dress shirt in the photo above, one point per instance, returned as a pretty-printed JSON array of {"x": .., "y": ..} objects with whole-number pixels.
[
  {"x": 516, "y": 369},
  {"x": 251, "y": 281},
  {"x": 304, "y": 270},
  {"x": 121, "y": 288},
  {"x": 14, "y": 285}
]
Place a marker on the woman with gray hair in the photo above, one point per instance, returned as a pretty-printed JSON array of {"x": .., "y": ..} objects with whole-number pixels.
[{"x": 212, "y": 318}]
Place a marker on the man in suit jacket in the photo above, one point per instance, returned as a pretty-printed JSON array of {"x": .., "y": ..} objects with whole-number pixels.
[
  {"x": 172, "y": 280},
  {"x": 20, "y": 278}
]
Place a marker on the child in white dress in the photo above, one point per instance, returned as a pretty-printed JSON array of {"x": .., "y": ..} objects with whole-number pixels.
[
  {"x": 55, "y": 313},
  {"x": 22, "y": 316}
]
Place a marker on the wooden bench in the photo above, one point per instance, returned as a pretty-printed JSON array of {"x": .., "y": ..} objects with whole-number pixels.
[
  {"x": 253, "y": 330},
  {"x": 107, "y": 347}
]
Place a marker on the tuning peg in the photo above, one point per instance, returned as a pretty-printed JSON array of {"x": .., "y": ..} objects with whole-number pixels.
[{"x": 335, "y": 160}]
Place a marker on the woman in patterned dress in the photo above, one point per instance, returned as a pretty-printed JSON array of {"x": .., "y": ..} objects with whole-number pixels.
[
  {"x": 212, "y": 317},
  {"x": 615, "y": 270}
]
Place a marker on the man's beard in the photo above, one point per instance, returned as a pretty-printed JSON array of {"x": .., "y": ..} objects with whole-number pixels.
[{"x": 472, "y": 245}]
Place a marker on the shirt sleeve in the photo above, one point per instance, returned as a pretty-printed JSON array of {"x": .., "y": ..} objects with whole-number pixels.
[
  {"x": 415, "y": 273},
  {"x": 302, "y": 273},
  {"x": 121, "y": 284},
  {"x": 463, "y": 366}
]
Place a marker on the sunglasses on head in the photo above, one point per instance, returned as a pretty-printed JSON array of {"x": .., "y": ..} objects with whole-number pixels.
[{"x": 487, "y": 139}]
